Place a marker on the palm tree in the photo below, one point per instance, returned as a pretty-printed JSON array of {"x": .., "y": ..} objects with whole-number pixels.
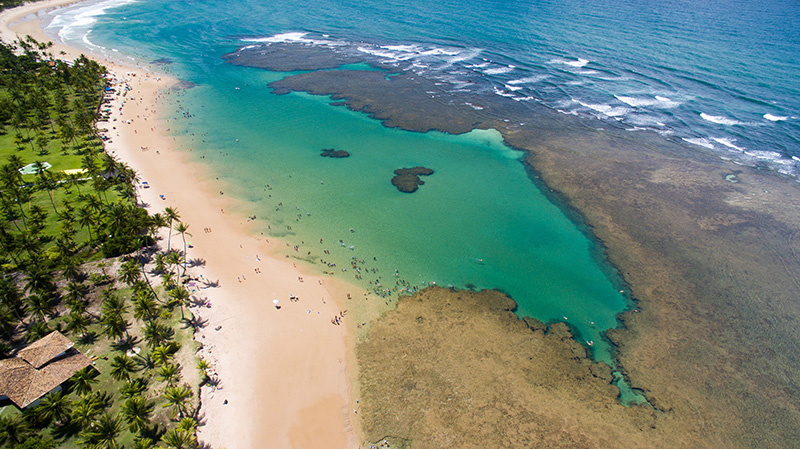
[
  {"x": 129, "y": 272},
  {"x": 183, "y": 228},
  {"x": 143, "y": 443},
  {"x": 82, "y": 381},
  {"x": 72, "y": 267},
  {"x": 156, "y": 333},
  {"x": 86, "y": 409},
  {"x": 171, "y": 215},
  {"x": 175, "y": 258},
  {"x": 162, "y": 355},
  {"x": 122, "y": 366},
  {"x": 144, "y": 306},
  {"x": 169, "y": 373},
  {"x": 76, "y": 291},
  {"x": 178, "y": 397},
  {"x": 179, "y": 439},
  {"x": 13, "y": 430},
  {"x": 203, "y": 367},
  {"x": 168, "y": 279},
  {"x": 181, "y": 296},
  {"x": 10, "y": 295},
  {"x": 112, "y": 303},
  {"x": 104, "y": 433},
  {"x": 137, "y": 412},
  {"x": 78, "y": 323},
  {"x": 160, "y": 263},
  {"x": 40, "y": 305},
  {"x": 37, "y": 330},
  {"x": 54, "y": 406},
  {"x": 86, "y": 218},
  {"x": 38, "y": 279},
  {"x": 157, "y": 221},
  {"x": 133, "y": 388},
  {"x": 115, "y": 326}
]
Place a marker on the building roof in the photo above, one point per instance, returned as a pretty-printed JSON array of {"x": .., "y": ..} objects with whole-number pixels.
[
  {"x": 45, "y": 349},
  {"x": 26, "y": 378}
]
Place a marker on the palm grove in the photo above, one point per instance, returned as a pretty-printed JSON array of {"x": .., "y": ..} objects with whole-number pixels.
[{"x": 74, "y": 248}]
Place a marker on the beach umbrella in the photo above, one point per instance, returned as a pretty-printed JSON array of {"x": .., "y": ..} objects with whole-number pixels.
[{"x": 275, "y": 301}]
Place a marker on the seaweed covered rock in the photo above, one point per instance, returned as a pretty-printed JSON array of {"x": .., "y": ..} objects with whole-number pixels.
[
  {"x": 336, "y": 154},
  {"x": 408, "y": 179}
]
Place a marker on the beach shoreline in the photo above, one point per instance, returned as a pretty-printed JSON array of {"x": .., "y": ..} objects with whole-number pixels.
[{"x": 284, "y": 374}]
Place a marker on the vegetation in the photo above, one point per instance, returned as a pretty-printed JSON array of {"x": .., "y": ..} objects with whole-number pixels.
[
  {"x": 10, "y": 3},
  {"x": 74, "y": 254}
]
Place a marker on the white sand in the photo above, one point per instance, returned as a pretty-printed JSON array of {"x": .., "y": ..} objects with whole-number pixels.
[{"x": 283, "y": 372}]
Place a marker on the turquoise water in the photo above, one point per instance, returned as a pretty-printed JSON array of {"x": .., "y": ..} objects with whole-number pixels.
[
  {"x": 478, "y": 220},
  {"x": 723, "y": 76}
]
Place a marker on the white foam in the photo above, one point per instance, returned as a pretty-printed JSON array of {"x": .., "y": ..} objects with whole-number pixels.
[
  {"x": 606, "y": 109},
  {"x": 572, "y": 63},
  {"x": 291, "y": 37},
  {"x": 775, "y": 118},
  {"x": 397, "y": 56},
  {"x": 503, "y": 93},
  {"x": 700, "y": 141},
  {"x": 473, "y": 106},
  {"x": 76, "y": 24},
  {"x": 587, "y": 72},
  {"x": 512, "y": 88},
  {"x": 636, "y": 102},
  {"x": 728, "y": 143},
  {"x": 640, "y": 102},
  {"x": 464, "y": 55},
  {"x": 406, "y": 48},
  {"x": 499, "y": 70},
  {"x": 529, "y": 80},
  {"x": 720, "y": 120},
  {"x": 770, "y": 156}
]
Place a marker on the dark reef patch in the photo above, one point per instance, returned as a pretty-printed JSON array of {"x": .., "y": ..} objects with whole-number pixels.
[
  {"x": 408, "y": 180},
  {"x": 288, "y": 57},
  {"x": 335, "y": 154},
  {"x": 459, "y": 369}
]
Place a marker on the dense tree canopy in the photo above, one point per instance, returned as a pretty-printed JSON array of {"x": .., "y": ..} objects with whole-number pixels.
[{"x": 64, "y": 205}]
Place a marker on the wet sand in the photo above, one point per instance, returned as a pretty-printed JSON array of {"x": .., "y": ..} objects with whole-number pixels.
[{"x": 282, "y": 372}]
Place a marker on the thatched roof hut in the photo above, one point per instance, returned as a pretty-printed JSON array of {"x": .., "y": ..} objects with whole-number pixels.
[{"x": 39, "y": 368}]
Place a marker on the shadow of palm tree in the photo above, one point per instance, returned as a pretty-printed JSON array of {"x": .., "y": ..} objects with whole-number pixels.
[
  {"x": 88, "y": 338},
  {"x": 65, "y": 431},
  {"x": 126, "y": 344},
  {"x": 198, "y": 262},
  {"x": 211, "y": 284},
  {"x": 197, "y": 322}
]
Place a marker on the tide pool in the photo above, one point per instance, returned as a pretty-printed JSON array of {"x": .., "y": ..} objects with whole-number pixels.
[{"x": 477, "y": 222}]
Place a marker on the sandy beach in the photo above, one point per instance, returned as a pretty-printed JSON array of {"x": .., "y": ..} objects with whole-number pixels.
[{"x": 283, "y": 374}]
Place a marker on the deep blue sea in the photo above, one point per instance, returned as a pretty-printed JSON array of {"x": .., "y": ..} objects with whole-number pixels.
[{"x": 724, "y": 75}]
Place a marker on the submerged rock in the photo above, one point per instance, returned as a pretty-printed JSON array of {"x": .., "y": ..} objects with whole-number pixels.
[
  {"x": 452, "y": 368},
  {"x": 336, "y": 154},
  {"x": 408, "y": 180}
]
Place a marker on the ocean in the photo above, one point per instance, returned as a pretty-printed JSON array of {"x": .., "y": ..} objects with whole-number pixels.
[{"x": 720, "y": 76}]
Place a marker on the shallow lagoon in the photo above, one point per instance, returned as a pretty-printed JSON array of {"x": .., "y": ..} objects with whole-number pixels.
[{"x": 478, "y": 221}]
